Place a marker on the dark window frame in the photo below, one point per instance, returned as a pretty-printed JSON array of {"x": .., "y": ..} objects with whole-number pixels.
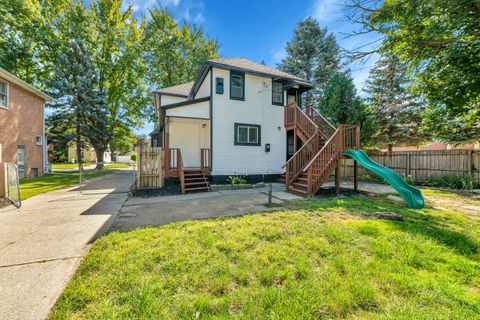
[
  {"x": 241, "y": 74},
  {"x": 283, "y": 99},
  {"x": 248, "y": 125}
]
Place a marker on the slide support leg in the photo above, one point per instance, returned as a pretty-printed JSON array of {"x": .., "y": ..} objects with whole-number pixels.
[
  {"x": 355, "y": 176},
  {"x": 337, "y": 177}
]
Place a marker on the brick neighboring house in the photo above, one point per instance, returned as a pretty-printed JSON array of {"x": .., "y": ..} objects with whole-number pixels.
[{"x": 22, "y": 128}]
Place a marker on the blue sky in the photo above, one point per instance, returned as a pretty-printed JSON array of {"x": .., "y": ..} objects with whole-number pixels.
[{"x": 259, "y": 30}]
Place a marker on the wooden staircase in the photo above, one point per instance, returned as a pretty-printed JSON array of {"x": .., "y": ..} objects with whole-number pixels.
[
  {"x": 191, "y": 179},
  {"x": 195, "y": 180},
  {"x": 323, "y": 147}
]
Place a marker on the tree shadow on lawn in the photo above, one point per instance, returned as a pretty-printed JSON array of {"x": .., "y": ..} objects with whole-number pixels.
[{"x": 435, "y": 224}]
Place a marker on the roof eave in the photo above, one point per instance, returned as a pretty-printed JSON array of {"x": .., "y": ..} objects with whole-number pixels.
[
  {"x": 24, "y": 85},
  {"x": 198, "y": 81},
  {"x": 263, "y": 74}
]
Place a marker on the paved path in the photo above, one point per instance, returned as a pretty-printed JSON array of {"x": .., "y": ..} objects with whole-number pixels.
[
  {"x": 140, "y": 212},
  {"x": 42, "y": 243}
]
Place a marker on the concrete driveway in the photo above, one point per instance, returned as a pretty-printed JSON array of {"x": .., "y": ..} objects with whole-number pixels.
[{"x": 42, "y": 243}]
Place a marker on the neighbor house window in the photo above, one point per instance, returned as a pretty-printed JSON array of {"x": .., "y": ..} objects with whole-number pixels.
[
  {"x": 247, "y": 134},
  {"x": 237, "y": 86},
  {"x": 277, "y": 93},
  {"x": 3, "y": 94}
]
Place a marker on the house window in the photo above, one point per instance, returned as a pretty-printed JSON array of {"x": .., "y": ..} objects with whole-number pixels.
[
  {"x": 277, "y": 93},
  {"x": 38, "y": 140},
  {"x": 3, "y": 94},
  {"x": 247, "y": 134},
  {"x": 237, "y": 86},
  {"x": 219, "y": 85}
]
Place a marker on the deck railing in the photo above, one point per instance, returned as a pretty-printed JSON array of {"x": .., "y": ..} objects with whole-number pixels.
[
  {"x": 351, "y": 137},
  {"x": 181, "y": 171},
  {"x": 320, "y": 167},
  {"x": 324, "y": 126},
  {"x": 205, "y": 158},
  {"x": 295, "y": 165},
  {"x": 173, "y": 158}
]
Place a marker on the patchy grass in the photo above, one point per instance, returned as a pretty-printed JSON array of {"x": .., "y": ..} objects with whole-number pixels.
[
  {"x": 117, "y": 165},
  {"x": 66, "y": 165},
  {"x": 329, "y": 259},
  {"x": 30, "y": 187}
]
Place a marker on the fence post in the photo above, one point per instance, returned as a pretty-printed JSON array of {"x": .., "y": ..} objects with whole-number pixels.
[
  {"x": 408, "y": 169},
  {"x": 470, "y": 161}
]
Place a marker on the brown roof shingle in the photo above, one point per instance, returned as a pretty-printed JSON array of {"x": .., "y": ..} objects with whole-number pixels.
[
  {"x": 248, "y": 65},
  {"x": 181, "y": 89}
]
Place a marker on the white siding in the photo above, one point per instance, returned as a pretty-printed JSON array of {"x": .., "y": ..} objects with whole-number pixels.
[
  {"x": 190, "y": 136},
  {"x": 166, "y": 100},
  {"x": 197, "y": 110},
  {"x": 256, "y": 109},
  {"x": 204, "y": 90}
]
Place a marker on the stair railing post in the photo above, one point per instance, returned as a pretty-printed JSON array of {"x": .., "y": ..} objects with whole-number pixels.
[{"x": 310, "y": 180}]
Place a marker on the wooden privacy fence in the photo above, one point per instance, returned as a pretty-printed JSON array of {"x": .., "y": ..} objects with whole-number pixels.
[
  {"x": 423, "y": 165},
  {"x": 150, "y": 172}
]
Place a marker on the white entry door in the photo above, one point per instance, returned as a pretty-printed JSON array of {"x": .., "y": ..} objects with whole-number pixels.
[{"x": 21, "y": 159}]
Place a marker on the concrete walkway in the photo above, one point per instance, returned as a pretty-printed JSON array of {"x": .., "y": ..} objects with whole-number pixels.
[
  {"x": 42, "y": 243},
  {"x": 140, "y": 212}
]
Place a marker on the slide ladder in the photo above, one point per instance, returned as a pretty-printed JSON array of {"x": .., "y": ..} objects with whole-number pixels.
[{"x": 412, "y": 196}]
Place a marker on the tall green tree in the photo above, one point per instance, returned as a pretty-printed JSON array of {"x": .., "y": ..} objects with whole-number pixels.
[
  {"x": 340, "y": 103},
  {"x": 313, "y": 54},
  {"x": 117, "y": 43},
  {"x": 396, "y": 111},
  {"x": 28, "y": 38},
  {"x": 174, "y": 54},
  {"x": 440, "y": 42},
  {"x": 79, "y": 112}
]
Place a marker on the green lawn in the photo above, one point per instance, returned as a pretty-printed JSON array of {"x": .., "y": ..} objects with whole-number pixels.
[
  {"x": 66, "y": 165},
  {"x": 30, "y": 187},
  {"x": 330, "y": 258},
  {"x": 117, "y": 165}
]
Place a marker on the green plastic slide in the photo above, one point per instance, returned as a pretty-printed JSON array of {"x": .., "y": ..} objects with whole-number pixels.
[{"x": 412, "y": 196}]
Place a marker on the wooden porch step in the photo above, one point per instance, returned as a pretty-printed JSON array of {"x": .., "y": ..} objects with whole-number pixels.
[
  {"x": 188, "y": 183},
  {"x": 197, "y": 188},
  {"x": 298, "y": 192}
]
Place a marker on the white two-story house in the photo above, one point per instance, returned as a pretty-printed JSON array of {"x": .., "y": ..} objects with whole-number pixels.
[{"x": 229, "y": 121}]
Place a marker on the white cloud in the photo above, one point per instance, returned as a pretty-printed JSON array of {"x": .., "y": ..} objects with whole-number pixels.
[
  {"x": 279, "y": 55},
  {"x": 327, "y": 10},
  {"x": 197, "y": 17}
]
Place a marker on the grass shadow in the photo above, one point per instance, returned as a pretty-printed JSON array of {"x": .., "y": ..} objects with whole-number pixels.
[{"x": 437, "y": 225}]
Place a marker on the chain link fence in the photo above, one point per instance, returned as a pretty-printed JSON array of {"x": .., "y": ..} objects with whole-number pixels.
[
  {"x": 13, "y": 184},
  {"x": 106, "y": 178}
]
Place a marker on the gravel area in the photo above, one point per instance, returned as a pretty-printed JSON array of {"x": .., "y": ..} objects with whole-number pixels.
[
  {"x": 169, "y": 190},
  {"x": 4, "y": 202}
]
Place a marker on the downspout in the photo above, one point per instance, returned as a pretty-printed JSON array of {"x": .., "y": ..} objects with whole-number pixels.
[
  {"x": 44, "y": 146},
  {"x": 211, "y": 120}
]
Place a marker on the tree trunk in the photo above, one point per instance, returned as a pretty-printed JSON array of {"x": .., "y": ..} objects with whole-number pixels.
[
  {"x": 99, "y": 152},
  {"x": 390, "y": 147}
]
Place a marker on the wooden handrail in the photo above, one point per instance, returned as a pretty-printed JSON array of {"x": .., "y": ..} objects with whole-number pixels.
[
  {"x": 337, "y": 131},
  {"x": 205, "y": 158},
  {"x": 324, "y": 126},
  {"x": 181, "y": 172},
  {"x": 294, "y": 166},
  {"x": 319, "y": 168},
  {"x": 173, "y": 158}
]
